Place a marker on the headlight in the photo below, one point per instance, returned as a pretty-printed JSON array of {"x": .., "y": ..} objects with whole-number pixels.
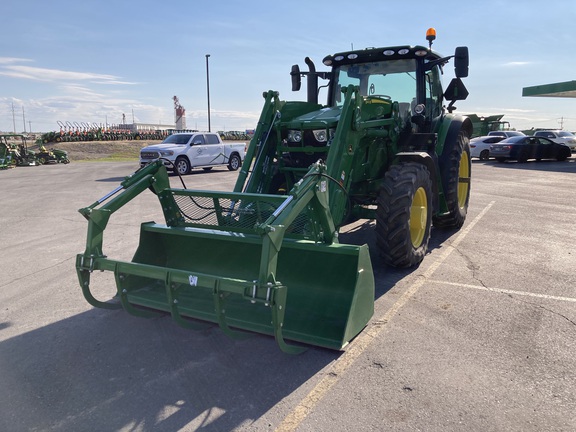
[
  {"x": 320, "y": 135},
  {"x": 294, "y": 136},
  {"x": 420, "y": 109},
  {"x": 166, "y": 152},
  {"x": 323, "y": 135}
]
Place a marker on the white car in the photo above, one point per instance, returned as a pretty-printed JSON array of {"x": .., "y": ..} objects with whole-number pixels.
[
  {"x": 480, "y": 146},
  {"x": 559, "y": 136},
  {"x": 181, "y": 152},
  {"x": 506, "y": 133}
]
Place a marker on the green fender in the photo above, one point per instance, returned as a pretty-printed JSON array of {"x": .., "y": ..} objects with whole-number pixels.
[{"x": 447, "y": 131}]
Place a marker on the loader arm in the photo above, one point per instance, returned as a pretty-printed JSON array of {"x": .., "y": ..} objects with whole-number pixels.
[
  {"x": 255, "y": 262},
  {"x": 255, "y": 161}
]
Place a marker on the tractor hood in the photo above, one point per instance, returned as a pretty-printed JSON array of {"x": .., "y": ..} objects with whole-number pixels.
[{"x": 320, "y": 119}]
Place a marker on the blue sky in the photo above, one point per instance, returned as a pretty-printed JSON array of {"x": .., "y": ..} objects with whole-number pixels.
[{"x": 93, "y": 61}]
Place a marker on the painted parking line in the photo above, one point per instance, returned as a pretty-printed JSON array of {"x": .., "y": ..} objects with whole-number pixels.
[
  {"x": 505, "y": 291},
  {"x": 362, "y": 341}
]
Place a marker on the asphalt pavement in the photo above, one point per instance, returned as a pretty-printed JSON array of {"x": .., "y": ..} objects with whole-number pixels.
[{"x": 480, "y": 337}]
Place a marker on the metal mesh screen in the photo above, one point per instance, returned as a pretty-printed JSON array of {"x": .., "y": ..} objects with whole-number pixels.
[{"x": 243, "y": 214}]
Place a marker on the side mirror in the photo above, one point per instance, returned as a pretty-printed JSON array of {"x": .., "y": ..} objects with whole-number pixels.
[
  {"x": 461, "y": 61},
  {"x": 296, "y": 80}
]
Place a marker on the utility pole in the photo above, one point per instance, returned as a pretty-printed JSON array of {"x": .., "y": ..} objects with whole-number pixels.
[
  {"x": 208, "y": 90},
  {"x": 23, "y": 118},
  {"x": 13, "y": 118}
]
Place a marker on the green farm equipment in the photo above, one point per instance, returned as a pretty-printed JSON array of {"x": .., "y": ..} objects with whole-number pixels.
[
  {"x": 5, "y": 156},
  {"x": 52, "y": 156},
  {"x": 484, "y": 124},
  {"x": 16, "y": 150},
  {"x": 266, "y": 257}
]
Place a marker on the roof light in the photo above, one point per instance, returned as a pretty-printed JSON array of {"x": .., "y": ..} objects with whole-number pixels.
[
  {"x": 388, "y": 52},
  {"x": 404, "y": 51},
  {"x": 339, "y": 58},
  {"x": 327, "y": 61},
  {"x": 352, "y": 56},
  {"x": 431, "y": 35},
  {"x": 421, "y": 53}
]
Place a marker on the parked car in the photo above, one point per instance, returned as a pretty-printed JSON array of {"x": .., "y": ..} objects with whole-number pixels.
[
  {"x": 559, "y": 136},
  {"x": 480, "y": 146},
  {"x": 522, "y": 148},
  {"x": 181, "y": 152},
  {"x": 506, "y": 134}
]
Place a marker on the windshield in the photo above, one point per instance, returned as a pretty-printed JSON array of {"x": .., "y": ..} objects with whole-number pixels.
[
  {"x": 565, "y": 134},
  {"x": 177, "y": 139},
  {"x": 392, "y": 78}
]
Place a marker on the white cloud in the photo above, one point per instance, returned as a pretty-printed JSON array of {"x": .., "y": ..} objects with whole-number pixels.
[
  {"x": 45, "y": 74},
  {"x": 9, "y": 60},
  {"x": 517, "y": 63}
]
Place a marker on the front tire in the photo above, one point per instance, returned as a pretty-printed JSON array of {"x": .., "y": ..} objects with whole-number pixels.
[
  {"x": 484, "y": 155},
  {"x": 182, "y": 166},
  {"x": 456, "y": 172},
  {"x": 404, "y": 215},
  {"x": 234, "y": 162}
]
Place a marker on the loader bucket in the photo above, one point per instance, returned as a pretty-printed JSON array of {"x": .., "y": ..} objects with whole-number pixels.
[
  {"x": 329, "y": 288},
  {"x": 260, "y": 263}
]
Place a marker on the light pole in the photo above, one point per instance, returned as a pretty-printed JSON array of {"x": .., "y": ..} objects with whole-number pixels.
[{"x": 208, "y": 90}]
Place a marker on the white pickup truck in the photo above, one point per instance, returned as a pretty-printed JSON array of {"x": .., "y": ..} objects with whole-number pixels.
[{"x": 186, "y": 150}]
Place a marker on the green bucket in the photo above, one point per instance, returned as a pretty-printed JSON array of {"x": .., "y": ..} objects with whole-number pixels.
[{"x": 329, "y": 288}]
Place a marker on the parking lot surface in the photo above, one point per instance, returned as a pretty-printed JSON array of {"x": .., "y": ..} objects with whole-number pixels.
[{"x": 481, "y": 336}]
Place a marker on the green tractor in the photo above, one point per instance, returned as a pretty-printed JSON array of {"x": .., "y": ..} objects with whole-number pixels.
[
  {"x": 46, "y": 156},
  {"x": 5, "y": 156},
  {"x": 266, "y": 257},
  {"x": 15, "y": 148}
]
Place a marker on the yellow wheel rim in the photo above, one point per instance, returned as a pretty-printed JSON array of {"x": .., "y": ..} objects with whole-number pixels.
[
  {"x": 418, "y": 217},
  {"x": 463, "y": 179}
]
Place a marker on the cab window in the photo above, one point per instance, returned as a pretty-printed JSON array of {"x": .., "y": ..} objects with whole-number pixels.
[
  {"x": 198, "y": 140},
  {"x": 212, "y": 139},
  {"x": 394, "y": 79}
]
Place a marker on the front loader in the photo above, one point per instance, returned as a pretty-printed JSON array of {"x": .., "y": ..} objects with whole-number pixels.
[{"x": 266, "y": 257}]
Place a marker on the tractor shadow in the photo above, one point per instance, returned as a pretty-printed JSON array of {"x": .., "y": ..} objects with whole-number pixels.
[
  {"x": 106, "y": 370},
  {"x": 387, "y": 277}
]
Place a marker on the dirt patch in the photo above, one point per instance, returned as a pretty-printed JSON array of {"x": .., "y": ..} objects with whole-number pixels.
[
  {"x": 105, "y": 150},
  {"x": 97, "y": 150}
]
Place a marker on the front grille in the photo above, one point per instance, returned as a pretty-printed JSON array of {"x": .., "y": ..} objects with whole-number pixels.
[{"x": 149, "y": 155}]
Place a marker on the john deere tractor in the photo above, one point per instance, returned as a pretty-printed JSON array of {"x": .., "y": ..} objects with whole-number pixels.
[
  {"x": 266, "y": 257},
  {"x": 15, "y": 150}
]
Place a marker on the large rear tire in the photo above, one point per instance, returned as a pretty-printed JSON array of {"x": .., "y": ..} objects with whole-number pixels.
[
  {"x": 455, "y": 172},
  {"x": 404, "y": 215}
]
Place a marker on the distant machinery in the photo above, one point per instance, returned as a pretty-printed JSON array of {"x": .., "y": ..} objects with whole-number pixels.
[{"x": 179, "y": 114}]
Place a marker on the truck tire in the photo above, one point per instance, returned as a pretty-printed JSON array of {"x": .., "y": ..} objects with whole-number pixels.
[
  {"x": 455, "y": 172},
  {"x": 182, "y": 165},
  {"x": 404, "y": 215},
  {"x": 234, "y": 162}
]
